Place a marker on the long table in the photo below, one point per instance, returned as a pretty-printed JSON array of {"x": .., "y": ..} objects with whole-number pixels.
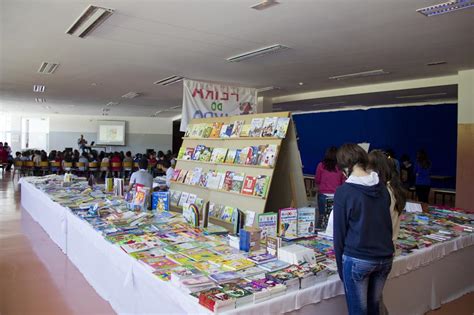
[{"x": 418, "y": 282}]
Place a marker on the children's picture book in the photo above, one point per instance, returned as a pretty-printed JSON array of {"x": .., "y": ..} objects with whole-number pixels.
[
  {"x": 249, "y": 217},
  {"x": 237, "y": 128},
  {"x": 194, "y": 131},
  {"x": 218, "y": 155},
  {"x": 189, "y": 177},
  {"x": 188, "y": 154},
  {"x": 269, "y": 155},
  {"x": 268, "y": 223},
  {"x": 256, "y": 127},
  {"x": 230, "y": 157},
  {"x": 248, "y": 187},
  {"x": 227, "y": 213},
  {"x": 228, "y": 180},
  {"x": 269, "y": 126},
  {"x": 306, "y": 221},
  {"x": 226, "y": 130},
  {"x": 274, "y": 265},
  {"x": 282, "y": 127},
  {"x": 261, "y": 186},
  {"x": 273, "y": 245},
  {"x": 192, "y": 198},
  {"x": 183, "y": 199},
  {"x": 197, "y": 152},
  {"x": 237, "y": 182},
  {"x": 196, "y": 176},
  {"x": 261, "y": 258},
  {"x": 213, "y": 180},
  {"x": 175, "y": 176},
  {"x": 237, "y": 264},
  {"x": 207, "y": 131},
  {"x": 224, "y": 277},
  {"x": 191, "y": 214},
  {"x": 245, "y": 130},
  {"x": 245, "y": 154},
  {"x": 182, "y": 176},
  {"x": 253, "y": 157},
  {"x": 288, "y": 223},
  {"x": 237, "y": 156},
  {"x": 216, "y": 129},
  {"x": 160, "y": 200},
  {"x": 140, "y": 201},
  {"x": 189, "y": 130},
  {"x": 205, "y": 155},
  {"x": 181, "y": 153},
  {"x": 175, "y": 197}
]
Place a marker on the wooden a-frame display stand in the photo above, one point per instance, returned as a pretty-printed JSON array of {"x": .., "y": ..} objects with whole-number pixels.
[{"x": 286, "y": 186}]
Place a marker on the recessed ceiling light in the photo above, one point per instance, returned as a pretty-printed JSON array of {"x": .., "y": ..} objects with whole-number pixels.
[
  {"x": 257, "y": 53},
  {"x": 131, "y": 95},
  {"x": 169, "y": 80},
  {"x": 40, "y": 100},
  {"x": 38, "y": 88},
  {"x": 89, "y": 20},
  {"x": 436, "y": 63},
  {"x": 421, "y": 95},
  {"x": 48, "y": 67},
  {"x": 446, "y": 7},
  {"x": 357, "y": 75},
  {"x": 264, "y": 5},
  {"x": 300, "y": 83},
  {"x": 112, "y": 103}
]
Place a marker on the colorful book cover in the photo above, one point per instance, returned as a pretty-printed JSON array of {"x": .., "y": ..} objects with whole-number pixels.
[
  {"x": 237, "y": 264},
  {"x": 237, "y": 128},
  {"x": 200, "y": 130},
  {"x": 181, "y": 153},
  {"x": 196, "y": 176},
  {"x": 182, "y": 176},
  {"x": 188, "y": 155},
  {"x": 216, "y": 129},
  {"x": 158, "y": 263},
  {"x": 253, "y": 156},
  {"x": 288, "y": 223},
  {"x": 256, "y": 127},
  {"x": 189, "y": 177},
  {"x": 192, "y": 198},
  {"x": 162, "y": 201},
  {"x": 227, "y": 214},
  {"x": 197, "y": 152},
  {"x": 175, "y": 176},
  {"x": 207, "y": 131},
  {"x": 228, "y": 180},
  {"x": 190, "y": 214},
  {"x": 248, "y": 187},
  {"x": 261, "y": 258},
  {"x": 223, "y": 131},
  {"x": 223, "y": 277},
  {"x": 228, "y": 131},
  {"x": 237, "y": 182},
  {"x": 235, "y": 291},
  {"x": 189, "y": 130},
  {"x": 218, "y": 155},
  {"x": 221, "y": 175},
  {"x": 213, "y": 180},
  {"x": 230, "y": 157},
  {"x": 203, "y": 179},
  {"x": 274, "y": 265},
  {"x": 282, "y": 127},
  {"x": 183, "y": 199},
  {"x": 205, "y": 154},
  {"x": 306, "y": 221},
  {"x": 175, "y": 197},
  {"x": 269, "y": 126},
  {"x": 237, "y": 156},
  {"x": 261, "y": 186},
  {"x": 245, "y": 154},
  {"x": 200, "y": 254},
  {"x": 268, "y": 223},
  {"x": 269, "y": 155},
  {"x": 195, "y": 131},
  {"x": 245, "y": 130}
]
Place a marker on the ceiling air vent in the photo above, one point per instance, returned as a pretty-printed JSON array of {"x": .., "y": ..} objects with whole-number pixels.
[
  {"x": 446, "y": 7},
  {"x": 264, "y": 5},
  {"x": 257, "y": 53},
  {"x": 38, "y": 88},
  {"x": 357, "y": 75},
  {"x": 89, "y": 20},
  {"x": 169, "y": 80},
  {"x": 48, "y": 67},
  {"x": 111, "y": 104},
  {"x": 40, "y": 100},
  {"x": 131, "y": 95}
]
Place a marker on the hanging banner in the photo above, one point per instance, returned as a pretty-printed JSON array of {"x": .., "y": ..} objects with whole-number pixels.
[{"x": 207, "y": 100}]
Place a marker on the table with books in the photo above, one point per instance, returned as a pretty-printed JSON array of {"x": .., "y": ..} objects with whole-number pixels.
[{"x": 156, "y": 262}]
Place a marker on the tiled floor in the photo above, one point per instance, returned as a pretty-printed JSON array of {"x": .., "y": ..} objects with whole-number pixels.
[{"x": 37, "y": 278}]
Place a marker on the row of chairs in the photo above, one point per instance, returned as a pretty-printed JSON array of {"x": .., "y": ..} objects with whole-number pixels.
[{"x": 26, "y": 168}]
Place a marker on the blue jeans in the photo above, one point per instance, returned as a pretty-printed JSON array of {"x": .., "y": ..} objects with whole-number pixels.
[
  {"x": 322, "y": 204},
  {"x": 363, "y": 283}
]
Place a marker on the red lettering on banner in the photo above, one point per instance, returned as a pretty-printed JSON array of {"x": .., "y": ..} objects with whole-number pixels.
[
  {"x": 225, "y": 96},
  {"x": 236, "y": 94},
  {"x": 211, "y": 93},
  {"x": 197, "y": 91},
  {"x": 214, "y": 95}
]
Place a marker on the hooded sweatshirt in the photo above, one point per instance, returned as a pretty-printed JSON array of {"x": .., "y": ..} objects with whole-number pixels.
[{"x": 362, "y": 222}]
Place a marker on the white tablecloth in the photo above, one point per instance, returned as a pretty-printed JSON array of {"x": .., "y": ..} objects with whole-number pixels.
[{"x": 418, "y": 282}]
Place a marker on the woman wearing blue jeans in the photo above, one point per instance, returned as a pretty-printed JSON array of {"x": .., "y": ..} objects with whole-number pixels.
[{"x": 362, "y": 232}]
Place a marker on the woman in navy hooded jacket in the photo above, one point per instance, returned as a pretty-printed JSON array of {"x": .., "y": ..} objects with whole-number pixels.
[{"x": 362, "y": 232}]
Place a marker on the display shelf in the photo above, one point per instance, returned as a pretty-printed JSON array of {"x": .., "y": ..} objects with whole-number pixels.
[
  {"x": 234, "y": 138},
  {"x": 228, "y": 164},
  {"x": 221, "y": 191}
]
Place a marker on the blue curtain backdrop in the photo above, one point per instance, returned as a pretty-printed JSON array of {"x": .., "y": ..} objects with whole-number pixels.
[{"x": 403, "y": 129}]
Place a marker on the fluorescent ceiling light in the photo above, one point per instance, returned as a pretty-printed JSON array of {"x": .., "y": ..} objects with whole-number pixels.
[
  {"x": 268, "y": 88},
  {"x": 446, "y": 7},
  {"x": 89, "y": 20},
  {"x": 131, "y": 95},
  {"x": 356, "y": 75},
  {"x": 421, "y": 95},
  {"x": 264, "y": 5},
  {"x": 169, "y": 80},
  {"x": 257, "y": 53},
  {"x": 40, "y": 100},
  {"x": 112, "y": 103},
  {"x": 38, "y": 88},
  {"x": 48, "y": 67}
]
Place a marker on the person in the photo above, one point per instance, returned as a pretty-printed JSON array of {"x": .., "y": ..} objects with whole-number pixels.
[
  {"x": 116, "y": 159},
  {"x": 18, "y": 157},
  {"x": 7, "y": 148},
  {"x": 406, "y": 172},
  {"x": 3, "y": 154},
  {"x": 37, "y": 158},
  {"x": 83, "y": 159},
  {"x": 362, "y": 232},
  {"x": 168, "y": 169},
  {"x": 128, "y": 157},
  {"x": 391, "y": 155},
  {"x": 142, "y": 176},
  {"x": 81, "y": 142},
  {"x": 24, "y": 156},
  {"x": 423, "y": 176},
  {"x": 328, "y": 178}
]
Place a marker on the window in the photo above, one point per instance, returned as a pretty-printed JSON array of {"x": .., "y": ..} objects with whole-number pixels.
[{"x": 34, "y": 133}]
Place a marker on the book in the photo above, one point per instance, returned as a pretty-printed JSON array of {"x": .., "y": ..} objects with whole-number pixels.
[
  {"x": 237, "y": 128},
  {"x": 207, "y": 130},
  {"x": 244, "y": 132},
  {"x": 256, "y": 127},
  {"x": 273, "y": 244},
  {"x": 205, "y": 155},
  {"x": 175, "y": 176},
  {"x": 237, "y": 182},
  {"x": 200, "y": 254},
  {"x": 184, "y": 198},
  {"x": 226, "y": 130},
  {"x": 282, "y": 127},
  {"x": 253, "y": 156},
  {"x": 306, "y": 221},
  {"x": 230, "y": 157},
  {"x": 162, "y": 201},
  {"x": 249, "y": 218},
  {"x": 268, "y": 223},
  {"x": 216, "y": 300},
  {"x": 196, "y": 176},
  {"x": 175, "y": 197},
  {"x": 244, "y": 155},
  {"x": 261, "y": 258},
  {"x": 240, "y": 295},
  {"x": 227, "y": 213},
  {"x": 216, "y": 129},
  {"x": 191, "y": 214},
  {"x": 213, "y": 180},
  {"x": 228, "y": 180},
  {"x": 237, "y": 264},
  {"x": 261, "y": 186},
  {"x": 188, "y": 154},
  {"x": 189, "y": 177},
  {"x": 269, "y": 155},
  {"x": 248, "y": 186},
  {"x": 197, "y": 152},
  {"x": 274, "y": 265},
  {"x": 224, "y": 277},
  {"x": 192, "y": 198},
  {"x": 269, "y": 126},
  {"x": 218, "y": 155},
  {"x": 194, "y": 131},
  {"x": 189, "y": 129},
  {"x": 288, "y": 223},
  {"x": 237, "y": 156},
  {"x": 182, "y": 176}
]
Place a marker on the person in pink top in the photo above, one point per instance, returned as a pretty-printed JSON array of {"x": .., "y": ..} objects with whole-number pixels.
[{"x": 328, "y": 178}]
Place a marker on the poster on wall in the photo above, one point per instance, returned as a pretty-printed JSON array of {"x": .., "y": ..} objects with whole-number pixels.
[{"x": 206, "y": 100}]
